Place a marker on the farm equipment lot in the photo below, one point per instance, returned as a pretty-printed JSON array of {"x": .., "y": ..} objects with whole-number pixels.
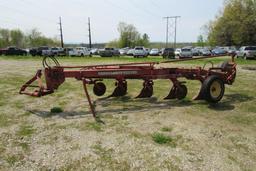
[{"x": 138, "y": 134}]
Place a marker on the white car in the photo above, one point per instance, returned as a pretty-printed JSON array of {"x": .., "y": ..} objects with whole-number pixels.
[
  {"x": 247, "y": 52},
  {"x": 79, "y": 51},
  {"x": 177, "y": 52},
  {"x": 52, "y": 51},
  {"x": 186, "y": 53},
  {"x": 154, "y": 52},
  {"x": 140, "y": 52}
]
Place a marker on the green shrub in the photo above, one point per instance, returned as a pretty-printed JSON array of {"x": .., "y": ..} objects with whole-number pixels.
[
  {"x": 166, "y": 129},
  {"x": 56, "y": 110},
  {"x": 161, "y": 138}
]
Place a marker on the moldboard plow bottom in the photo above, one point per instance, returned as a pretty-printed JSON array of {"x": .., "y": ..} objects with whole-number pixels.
[{"x": 213, "y": 79}]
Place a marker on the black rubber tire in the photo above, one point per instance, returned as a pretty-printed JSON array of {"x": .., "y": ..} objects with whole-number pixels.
[
  {"x": 206, "y": 89},
  {"x": 181, "y": 92},
  {"x": 245, "y": 57},
  {"x": 99, "y": 89}
]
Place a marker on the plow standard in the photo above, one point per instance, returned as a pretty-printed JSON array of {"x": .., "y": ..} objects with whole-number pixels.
[{"x": 212, "y": 90}]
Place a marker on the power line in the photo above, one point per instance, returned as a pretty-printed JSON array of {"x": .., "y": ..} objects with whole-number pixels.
[
  {"x": 175, "y": 29},
  {"x": 27, "y": 14},
  {"x": 156, "y": 6},
  {"x": 44, "y": 19},
  {"x": 143, "y": 9}
]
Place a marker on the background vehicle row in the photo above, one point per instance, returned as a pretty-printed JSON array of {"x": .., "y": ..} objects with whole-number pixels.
[{"x": 246, "y": 52}]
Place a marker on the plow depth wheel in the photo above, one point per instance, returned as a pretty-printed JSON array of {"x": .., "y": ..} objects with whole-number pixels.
[
  {"x": 99, "y": 89},
  {"x": 213, "y": 89}
]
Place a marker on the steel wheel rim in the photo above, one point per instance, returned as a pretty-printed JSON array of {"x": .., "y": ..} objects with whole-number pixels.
[{"x": 215, "y": 89}]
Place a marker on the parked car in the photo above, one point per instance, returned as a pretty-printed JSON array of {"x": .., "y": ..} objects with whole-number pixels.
[
  {"x": 94, "y": 51},
  {"x": 205, "y": 52},
  {"x": 147, "y": 51},
  {"x": 168, "y": 53},
  {"x": 232, "y": 51},
  {"x": 109, "y": 52},
  {"x": 55, "y": 51},
  {"x": 225, "y": 48},
  {"x": 186, "y": 53},
  {"x": 67, "y": 50},
  {"x": 79, "y": 51},
  {"x": 247, "y": 52},
  {"x": 123, "y": 51},
  {"x": 61, "y": 52},
  {"x": 13, "y": 51},
  {"x": 154, "y": 52},
  {"x": 38, "y": 51},
  {"x": 219, "y": 51},
  {"x": 177, "y": 52},
  {"x": 140, "y": 51},
  {"x": 195, "y": 52},
  {"x": 130, "y": 52}
]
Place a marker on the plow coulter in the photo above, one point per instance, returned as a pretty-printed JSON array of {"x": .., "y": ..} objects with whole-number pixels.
[{"x": 213, "y": 79}]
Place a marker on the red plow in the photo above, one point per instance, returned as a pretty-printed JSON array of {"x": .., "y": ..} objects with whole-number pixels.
[{"x": 212, "y": 90}]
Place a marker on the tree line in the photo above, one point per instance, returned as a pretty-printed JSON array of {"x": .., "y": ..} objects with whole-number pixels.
[
  {"x": 235, "y": 25},
  {"x": 129, "y": 37},
  {"x": 33, "y": 38}
]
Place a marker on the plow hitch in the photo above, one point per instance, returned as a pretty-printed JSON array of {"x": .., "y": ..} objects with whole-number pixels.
[{"x": 40, "y": 89}]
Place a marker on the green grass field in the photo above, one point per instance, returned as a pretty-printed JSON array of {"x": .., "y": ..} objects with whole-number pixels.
[{"x": 138, "y": 134}]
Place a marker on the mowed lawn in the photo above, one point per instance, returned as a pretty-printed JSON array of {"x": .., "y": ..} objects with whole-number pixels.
[{"x": 138, "y": 134}]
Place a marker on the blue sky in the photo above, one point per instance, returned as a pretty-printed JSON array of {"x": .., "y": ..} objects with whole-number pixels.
[{"x": 145, "y": 15}]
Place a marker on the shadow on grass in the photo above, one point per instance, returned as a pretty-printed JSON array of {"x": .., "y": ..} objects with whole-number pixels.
[
  {"x": 127, "y": 104},
  {"x": 228, "y": 103},
  {"x": 153, "y": 102}
]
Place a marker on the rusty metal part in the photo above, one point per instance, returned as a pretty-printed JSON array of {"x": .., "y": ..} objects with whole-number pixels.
[
  {"x": 89, "y": 98},
  {"x": 147, "y": 90},
  {"x": 178, "y": 91},
  {"x": 121, "y": 89}
]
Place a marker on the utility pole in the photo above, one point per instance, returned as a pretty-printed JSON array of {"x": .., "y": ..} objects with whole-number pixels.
[
  {"x": 90, "y": 35},
  {"x": 61, "y": 34},
  {"x": 175, "y": 30}
]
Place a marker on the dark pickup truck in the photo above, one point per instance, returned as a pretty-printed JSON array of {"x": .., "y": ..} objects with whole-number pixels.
[
  {"x": 109, "y": 52},
  {"x": 168, "y": 53},
  {"x": 38, "y": 51},
  {"x": 13, "y": 51}
]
